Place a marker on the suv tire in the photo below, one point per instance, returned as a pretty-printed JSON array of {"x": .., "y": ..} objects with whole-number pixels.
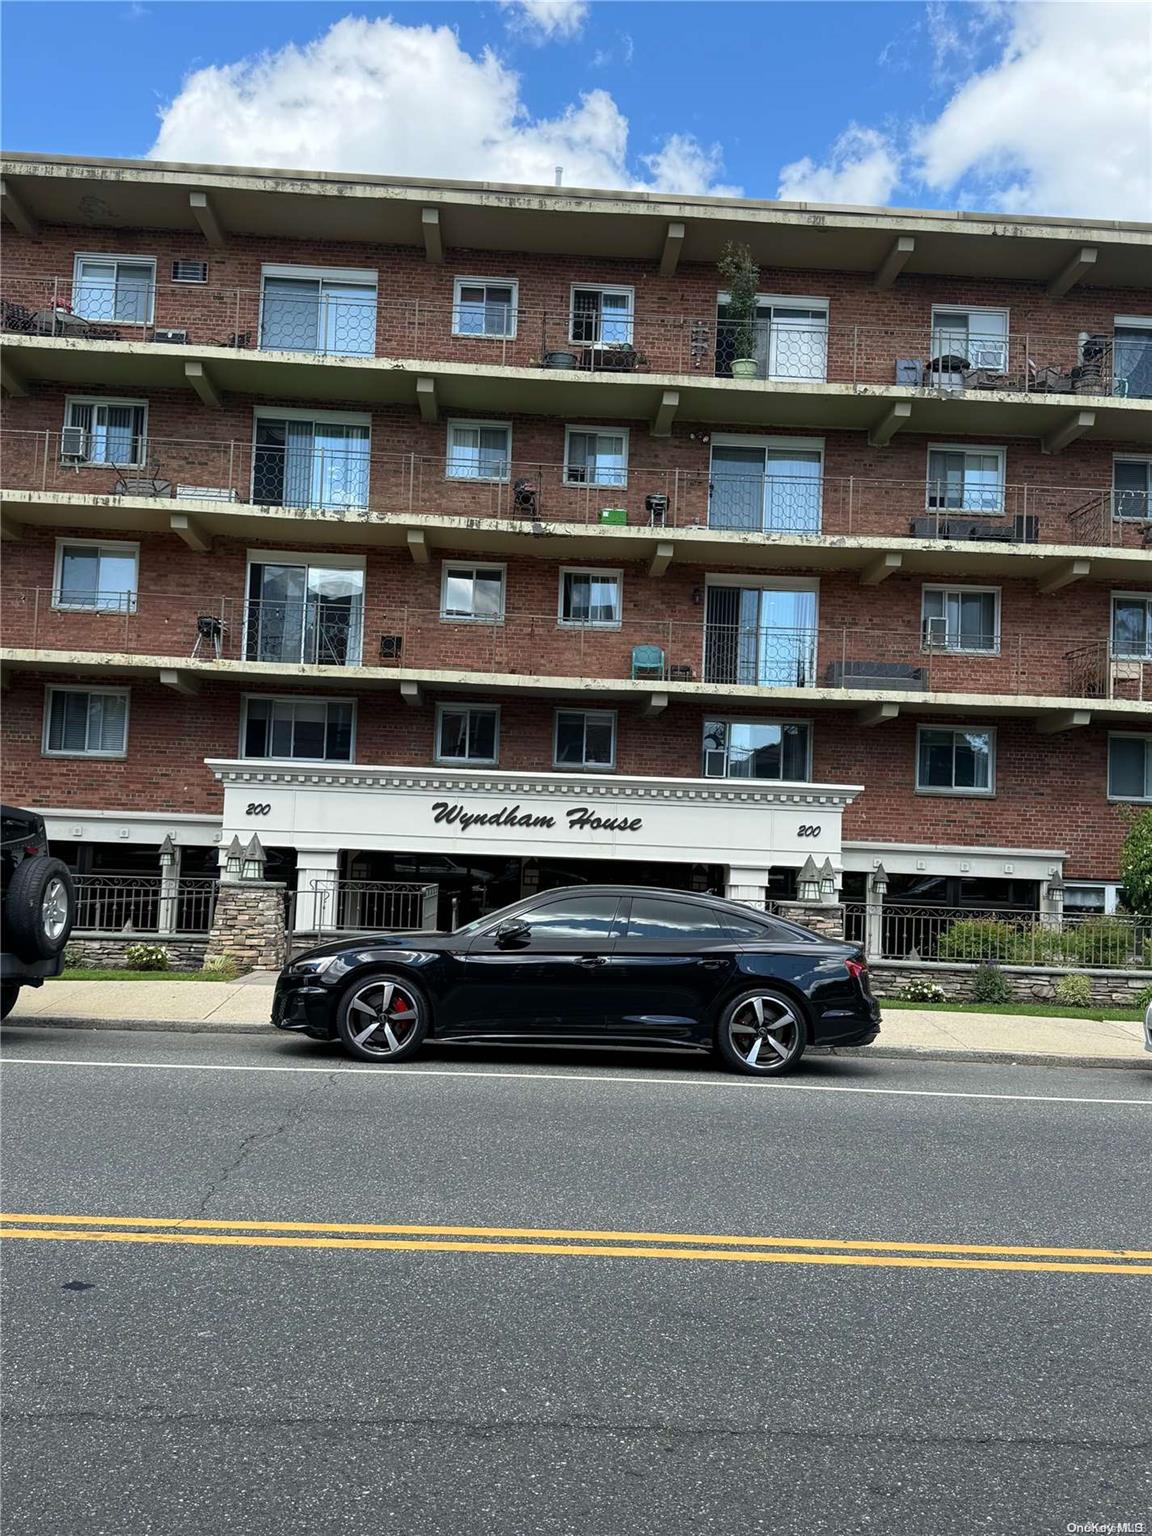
[{"x": 40, "y": 908}]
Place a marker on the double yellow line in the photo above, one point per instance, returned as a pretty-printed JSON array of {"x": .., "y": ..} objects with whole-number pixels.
[{"x": 569, "y": 1242}]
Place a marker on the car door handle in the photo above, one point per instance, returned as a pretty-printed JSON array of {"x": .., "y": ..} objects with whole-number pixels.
[
  {"x": 592, "y": 960},
  {"x": 713, "y": 965}
]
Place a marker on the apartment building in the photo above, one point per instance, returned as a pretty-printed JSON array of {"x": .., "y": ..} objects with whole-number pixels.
[{"x": 440, "y": 535}]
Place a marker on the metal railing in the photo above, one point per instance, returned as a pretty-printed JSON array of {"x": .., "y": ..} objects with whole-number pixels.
[
  {"x": 939, "y": 357},
  {"x": 357, "y": 483},
  {"x": 1000, "y": 936},
  {"x": 373, "y": 906},
  {"x": 858, "y": 658},
  {"x": 143, "y": 904}
]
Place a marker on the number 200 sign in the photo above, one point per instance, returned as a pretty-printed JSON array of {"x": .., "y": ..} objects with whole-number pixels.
[{"x": 808, "y": 832}]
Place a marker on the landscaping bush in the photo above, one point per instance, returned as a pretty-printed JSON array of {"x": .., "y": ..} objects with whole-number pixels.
[
  {"x": 921, "y": 990},
  {"x": 1145, "y": 997},
  {"x": 73, "y": 957},
  {"x": 146, "y": 957},
  {"x": 1075, "y": 990},
  {"x": 990, "y": 986},
  {"x": 220, "y": 968},
  {"x": 1105, "y": 941},
  {"x": 979, "y": 938}
]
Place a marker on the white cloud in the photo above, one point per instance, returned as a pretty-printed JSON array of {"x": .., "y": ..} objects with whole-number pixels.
[
  {"x": 863, "y": 167},
  {"x": 388, "y": 99},
  {"x": 546, "y": 21}
]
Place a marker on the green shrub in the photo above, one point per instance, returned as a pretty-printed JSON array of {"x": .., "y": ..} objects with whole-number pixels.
[
  {"x": 146, "y": 957},
  {"x": 220, "y": 968},
  {"x": 979, "y": 938},
  {"x": 1136, "y": 862},
  {"x": 1145, "y": 997},
  {"x": 990, "y": 986},
  {"x": 1106, "y": 941},
  {"x": 921, "y": 990},
  {"x": 73, "y": 957},
  {"x": 1075, "y": 990}
]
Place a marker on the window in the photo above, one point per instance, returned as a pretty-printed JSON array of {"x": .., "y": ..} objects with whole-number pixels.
[
  {"x": 766, "y": 931},
  {"x": 299, "y": 612},
  {"x": 595, "y": 457},
  {"x": 467, "y": 733},
  {"x": 761, "y": 635},
  {"x": 94, "y": 575},
  {"x": 961, "y": 619},
  {"x": 1132, "y": 626},
  {"x": 1132, "y": 363},
  {"x": 308, "y": 309},
  {"x": 310, "y": 459},
  {"x": 965, "y": 479},
  {"x": 106, "y": 431},
  {"x": 954, "y": 761},
  {"x": 576, "y": 917},
  {"x": 602, "y": 317},
  {"x": 1131, "y": 488},
  {"x": 319, "y": 730},
  {"x": 768, "y": 485},
  {"x": 479, "y": 450},
  {"x": 484, "y": 308},
  {"x": 1089, "y": 900},
  {"x": 675, "y": 922},
  {"x": 747, "y": 749},
  {"x": 585, "y": 738},
  {"x": 472, "y": 592},
  {"x": 114, "y": 288},
  {"x": 789, "y": 337},
  {"x": 591, "y": 599},
  {"x": 82, "y": 724},
  {"x": 967, "y": 338},
  {"x": 1130, "y": 767}
]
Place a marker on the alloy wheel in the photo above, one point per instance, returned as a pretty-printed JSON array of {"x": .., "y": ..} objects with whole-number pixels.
[
  {"x": 54, "y": 909},
  {"x": 765, "y": 1033},
  {"x": 382, "y": 1017}
]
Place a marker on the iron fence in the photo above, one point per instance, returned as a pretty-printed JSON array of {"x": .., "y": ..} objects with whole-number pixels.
[
  {"x": 143, "y": 904},
  {"x": 1000, "y": 936},
  {"x": 370, "y": 906}
]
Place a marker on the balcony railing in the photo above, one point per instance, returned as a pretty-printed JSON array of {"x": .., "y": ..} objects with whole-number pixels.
[
  {"x": 921, "y": 357},
  {"x": 899, "y": 931},
  {"x": 343, "y": 482},
  {"x": 143, "y": 904},
  {"x": 857, "y": 659}
]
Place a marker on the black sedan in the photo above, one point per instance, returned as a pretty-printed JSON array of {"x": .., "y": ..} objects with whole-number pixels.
[{"x": 624, "y": 965}]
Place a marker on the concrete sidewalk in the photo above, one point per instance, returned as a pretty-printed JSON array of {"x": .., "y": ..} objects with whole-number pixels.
[{"x": 238, "y": 1007}]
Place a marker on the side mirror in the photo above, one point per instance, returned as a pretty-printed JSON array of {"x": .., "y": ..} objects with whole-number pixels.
[{"x": 512, "y": 932}]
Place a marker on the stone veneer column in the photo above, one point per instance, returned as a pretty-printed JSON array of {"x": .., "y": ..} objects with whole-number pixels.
[
  {"x": 248, "y": 925},
  {"x": 822, "y": 917}
]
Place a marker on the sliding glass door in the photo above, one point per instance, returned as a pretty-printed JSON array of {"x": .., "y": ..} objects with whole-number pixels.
[
  {"x": 298, "y": 612},
  {"x": 304, "y": 463},
  {"x": 760, "y": 637},
  {"x": 765, "y": 489}
]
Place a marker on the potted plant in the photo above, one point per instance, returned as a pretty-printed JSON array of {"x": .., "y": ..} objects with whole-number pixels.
[{"x": 741, "y": 277}]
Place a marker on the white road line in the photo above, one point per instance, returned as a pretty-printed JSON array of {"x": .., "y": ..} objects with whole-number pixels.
[{"x": 567, "y": 1077}]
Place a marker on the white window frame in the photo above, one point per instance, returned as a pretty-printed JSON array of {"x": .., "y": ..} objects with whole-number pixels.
[
  {"x": 951, "y": 589},
  {"x": 965, "y": 448},
  {"x": 364, "y": 276},
  {"x": 484, "y": 282},
  {"x": 116, "y": 257},
  {"x": 318, "y": 418},
  {"x": 1132, "y": 458},
  {"x": 96, "y": 400},
  {"x": 53, "y": 688},
  {"x": 467, "y": 421},
  {"x": 789, "y": 301},
  {"x": 567, "y": 709},
  {"x": 448, "y": 567},
  {"x": 780, "y": 720},
  {"x": 589, "y": 570},
  {"x": 937, "y": 327},
  {"x": 1130, "y": 597},
  {"x": 600, "y": 485},
  {"x": 288, "y": 698},
  {"x": 601, "y": 288},
  {"x": 487, "y": 709},
  {"x": 1109, "y": 893},
  {"x": 114, "y": 546},
  {"x": 963, "y": 792},
  {"x": 1146, "y": 738}
]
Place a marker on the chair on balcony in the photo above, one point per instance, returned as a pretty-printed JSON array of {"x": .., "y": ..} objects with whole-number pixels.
[
  {"x": 648, "y": 662},
  {"x": 144, "y": 481}
]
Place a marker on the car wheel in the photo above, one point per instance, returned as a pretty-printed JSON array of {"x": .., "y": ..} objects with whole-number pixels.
[
  {"x": 9, "y": 992},
  {"x": 382, "y": 1018},
  {"x": 762, "y": 1033},
  {"x": 39, "y": 908}
]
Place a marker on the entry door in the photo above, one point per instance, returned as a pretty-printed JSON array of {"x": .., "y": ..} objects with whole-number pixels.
[
  {"x": 553, "y": 982},
  {"x": 667, "y": 970}
]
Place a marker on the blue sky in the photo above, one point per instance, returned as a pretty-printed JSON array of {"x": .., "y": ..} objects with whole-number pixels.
[{"x": 924, "y": 104}]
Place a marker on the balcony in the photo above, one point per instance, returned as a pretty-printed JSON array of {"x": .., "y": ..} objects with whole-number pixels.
[
  {"x": 818, "y": 666},
  {"x": 229, "y": 486},
  {"x": 568, "y": 344}
]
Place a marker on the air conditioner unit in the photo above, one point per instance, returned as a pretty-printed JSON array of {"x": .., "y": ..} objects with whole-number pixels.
[
  {"x": 173, "y": 338},
  {"x": 189, "y": 271},
  {"x": 715, "y": 763},
  {"x": 74, "y": 443},
  {"x": 936, "y": 634}
]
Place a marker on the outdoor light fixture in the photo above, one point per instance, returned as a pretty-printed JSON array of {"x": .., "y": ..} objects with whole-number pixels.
[
  {"x": 879, "y": 882},
  {"x": 167, "y": 852},
  {"x": 1056, "y": 891},
  {"x": 254, "y": 860},
  {"x": 827, "y": 880},
  {"x": 234, "y": 859},
  {"x": 808, "y": 881}
]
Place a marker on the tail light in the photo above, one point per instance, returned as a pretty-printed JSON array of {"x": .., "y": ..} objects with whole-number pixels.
[{"x": 857, "y": 969}]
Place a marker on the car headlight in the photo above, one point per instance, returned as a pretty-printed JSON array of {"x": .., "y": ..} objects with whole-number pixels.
[{"x": 312, "y": 967}]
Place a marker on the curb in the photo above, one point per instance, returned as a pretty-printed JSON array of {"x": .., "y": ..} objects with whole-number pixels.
[{"x": 861, "y": 1053}]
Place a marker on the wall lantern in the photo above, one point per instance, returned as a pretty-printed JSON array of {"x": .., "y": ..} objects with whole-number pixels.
[
  {"x": 879, "y": 882},
  {"x": 1056, "y": 891},
  {"x": 167, "y": 852},
  {"x": 234, "y": 859},
  {"x": 827, "y": 880},
  {"x": 254, "y": 860},
  {"x": 808, "y": 881}
]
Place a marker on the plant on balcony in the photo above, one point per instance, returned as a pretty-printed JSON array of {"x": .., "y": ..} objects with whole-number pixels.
[{"x": 741, "y": 278}]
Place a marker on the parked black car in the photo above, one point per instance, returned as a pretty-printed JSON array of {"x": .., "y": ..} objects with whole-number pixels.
[
  {"x": 39, "y": 906},
  {"x": 590, "y": 964}
]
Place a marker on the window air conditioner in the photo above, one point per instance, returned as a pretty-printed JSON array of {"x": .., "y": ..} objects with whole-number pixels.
[
  {"x": 936, "y": 633},
  {"x": 74, "y": 443},
  {"x": 173, "y": 338},
  {"x": 189, "y": 271},
  {"x": 715, "y": 763}
]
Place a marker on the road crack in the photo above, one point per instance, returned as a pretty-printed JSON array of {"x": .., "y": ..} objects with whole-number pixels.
[{"x": 258, "y": 1139}]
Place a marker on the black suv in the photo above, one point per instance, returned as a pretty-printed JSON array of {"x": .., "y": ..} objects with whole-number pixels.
[{"x": 39, "y": 906}]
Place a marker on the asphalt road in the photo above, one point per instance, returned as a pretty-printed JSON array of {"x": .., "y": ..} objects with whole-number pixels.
[{"x": 180, "y": 1380}]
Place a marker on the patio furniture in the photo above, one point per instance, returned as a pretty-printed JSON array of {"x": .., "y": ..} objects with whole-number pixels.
[
  {"x": 887, "y": 675},
  {"x": 205, "y": 493},
  {"x": 679, "y": 673},
  {"x": 142, "y": 482},
  {"x": 209, "y": 632},
  {"x": 647, "y": 661},
  {"x": 1023, "y": 529}
]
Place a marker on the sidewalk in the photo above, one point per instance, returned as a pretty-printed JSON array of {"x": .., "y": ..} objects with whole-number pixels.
[{"x": 237, "y": 1007}]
